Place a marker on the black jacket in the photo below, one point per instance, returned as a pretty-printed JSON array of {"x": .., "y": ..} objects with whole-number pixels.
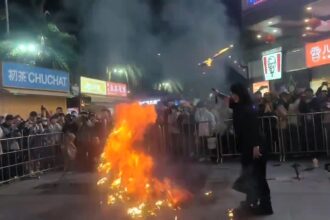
[{"x": 246, "y": 125}]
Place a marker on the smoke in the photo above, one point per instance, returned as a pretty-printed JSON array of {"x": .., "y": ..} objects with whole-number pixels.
[
  {"x": 203, "y": 29},
  {"x": 183, "y": 32}
]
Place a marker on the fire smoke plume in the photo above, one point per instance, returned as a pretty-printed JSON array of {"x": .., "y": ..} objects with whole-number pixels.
[{"x": 127, "y": 172}]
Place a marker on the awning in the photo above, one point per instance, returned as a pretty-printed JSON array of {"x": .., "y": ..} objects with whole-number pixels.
[{"x": 33, "y": 92}]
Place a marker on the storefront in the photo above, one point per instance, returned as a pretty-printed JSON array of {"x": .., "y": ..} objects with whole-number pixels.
[
  {"x": 318, "y": 61},
  {"x": 25, "y": 88},
  {"x": 97, "y": 94}
]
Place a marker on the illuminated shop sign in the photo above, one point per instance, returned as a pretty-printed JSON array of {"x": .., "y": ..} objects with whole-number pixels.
[
  {"x": 116, "y": 89},
  {"x": 262, "y": 87},
  {"x": 254, "y": 2},
  {"x": 272, "y": 63},
  {"x": 93, "y": 86},
  {"x": 100, "y": 87},
  {"x": 251, "y": 3},
  {"x": 318, "y": 53},
  {"x": 149, "y": 102},
  {"x": 22, "y": 76}
]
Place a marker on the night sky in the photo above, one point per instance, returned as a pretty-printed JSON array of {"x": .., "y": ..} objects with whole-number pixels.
[{"x": 184, "y": 40}]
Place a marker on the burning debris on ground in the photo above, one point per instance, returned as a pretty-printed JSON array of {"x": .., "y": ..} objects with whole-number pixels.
[{"x": 127, "y": 173}]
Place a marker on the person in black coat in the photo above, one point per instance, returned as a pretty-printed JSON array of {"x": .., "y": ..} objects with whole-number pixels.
[{"x": 252, "y": 181}]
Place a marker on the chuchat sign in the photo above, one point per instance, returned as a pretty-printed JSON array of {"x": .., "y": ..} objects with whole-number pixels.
[
  {"x": 93, "y": 86},
  {"x": 318, "y": 53},
  {"x": 100, "y": 87},
  {"x": 35, "y": 78},
  {"x": 272, "y": 64}
]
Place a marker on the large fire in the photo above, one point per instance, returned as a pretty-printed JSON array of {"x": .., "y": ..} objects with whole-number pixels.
[{"x": 127, "y": 171}]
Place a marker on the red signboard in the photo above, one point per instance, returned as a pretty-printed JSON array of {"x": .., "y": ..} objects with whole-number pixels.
[
  {"x": 318, "y": 53},
  {"x": 116, "y": 89}
]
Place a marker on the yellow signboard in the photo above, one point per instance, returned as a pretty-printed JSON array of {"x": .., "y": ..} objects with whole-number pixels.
[
  {"x": 93, "y": 86},
  {"x": 263, "y": 87}
]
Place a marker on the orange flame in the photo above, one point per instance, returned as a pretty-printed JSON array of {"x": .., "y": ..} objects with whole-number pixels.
[{"x": 128, "y": 172}]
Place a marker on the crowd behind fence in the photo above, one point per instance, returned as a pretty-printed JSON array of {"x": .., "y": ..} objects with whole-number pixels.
[
  {"x": 47, "y": 141},
  {"x": 32, "y": 155},
  {"x": 301, "y": 135},
  {"x": 296, "y": 135}
]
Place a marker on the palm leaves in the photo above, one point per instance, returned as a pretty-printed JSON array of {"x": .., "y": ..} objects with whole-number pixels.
[
  {"x": 55, "y": 49},
  {"x": 131, "y": 74},
  {"x": 169, "y": 86}
]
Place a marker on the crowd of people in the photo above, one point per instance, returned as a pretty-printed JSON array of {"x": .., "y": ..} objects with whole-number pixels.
[
  {"x": 35, "y": 143},
  {"x": 297, "y": 111},
  {"x": 293, "y": 103},
  {"x": 81, "y": 136}
]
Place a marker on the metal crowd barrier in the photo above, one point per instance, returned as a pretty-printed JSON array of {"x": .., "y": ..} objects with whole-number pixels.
[
  {"x": 29, "y": 156},
  {"x": 295, "y": 135},
  {"x": 306, "y": 134}
]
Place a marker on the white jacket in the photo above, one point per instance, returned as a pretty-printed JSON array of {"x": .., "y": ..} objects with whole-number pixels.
[
  {"x": 221, "y": 113},
  {"x": 206, "y": 121}
]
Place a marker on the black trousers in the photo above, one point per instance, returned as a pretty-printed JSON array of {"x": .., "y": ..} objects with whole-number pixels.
[
  {"x": 252, "y": 181},
  {"x": 262, "y": 191}
]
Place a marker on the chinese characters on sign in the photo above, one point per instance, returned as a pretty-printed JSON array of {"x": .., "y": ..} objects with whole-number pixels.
[
  {"x": 28, "y": 77},
  {"x": 100, "y": 87},
  {"x": 318, "y": 53},
  {"x": 116, "y": 89},
  {"x": 93, "y": 86},
  {"x": 272, "y": 64}
]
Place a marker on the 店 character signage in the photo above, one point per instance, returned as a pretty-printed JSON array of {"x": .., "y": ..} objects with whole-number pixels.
[
  {"x": 28, "y": 77},
  {"x": 116, "y": 89},
  {"x": 318, "y": 53},
  {"x": 272, "y": 64}
]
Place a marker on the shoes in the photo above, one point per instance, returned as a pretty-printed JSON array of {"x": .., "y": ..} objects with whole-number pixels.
[
  {"x": 246, "y": 209},
  {"x": 247, "y": 205},
  {"x": 265, "y": 208}
]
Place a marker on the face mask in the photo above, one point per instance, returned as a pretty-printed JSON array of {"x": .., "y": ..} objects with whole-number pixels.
[{"x": 89, "y": 123}]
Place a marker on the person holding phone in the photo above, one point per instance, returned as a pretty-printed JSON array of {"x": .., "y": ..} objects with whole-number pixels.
[{"x": 252, "y": 181}]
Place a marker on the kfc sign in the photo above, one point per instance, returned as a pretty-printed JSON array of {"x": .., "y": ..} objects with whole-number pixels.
[
  {"x": 318, "y": 53},
  {"x": 272, "y": 64},
  {"x": 116, "y": 89}
]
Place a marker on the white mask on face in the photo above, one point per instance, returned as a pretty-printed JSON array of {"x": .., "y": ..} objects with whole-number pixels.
[{"x": 89, "y": 123}]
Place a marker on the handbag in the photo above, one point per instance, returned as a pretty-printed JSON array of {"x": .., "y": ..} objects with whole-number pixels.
[{"x": 245, "y": 182}]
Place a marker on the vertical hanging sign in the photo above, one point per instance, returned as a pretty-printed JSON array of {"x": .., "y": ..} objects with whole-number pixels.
[{"x": 272, "y": 64}]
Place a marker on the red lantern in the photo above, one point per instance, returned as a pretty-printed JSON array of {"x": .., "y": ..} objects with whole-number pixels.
[{"x": 270, "y": 39}]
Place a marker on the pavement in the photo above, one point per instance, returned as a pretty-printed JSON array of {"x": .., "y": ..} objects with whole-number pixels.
[{"x": 76, "y": 197}]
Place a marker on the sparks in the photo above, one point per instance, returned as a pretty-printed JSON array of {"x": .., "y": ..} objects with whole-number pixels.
[
  {"x": 127, "y": 173},
  {"x": 209, "y": 193}
]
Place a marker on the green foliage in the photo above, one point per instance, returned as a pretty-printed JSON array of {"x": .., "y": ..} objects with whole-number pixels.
[{"x": 56, "y": 49}]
